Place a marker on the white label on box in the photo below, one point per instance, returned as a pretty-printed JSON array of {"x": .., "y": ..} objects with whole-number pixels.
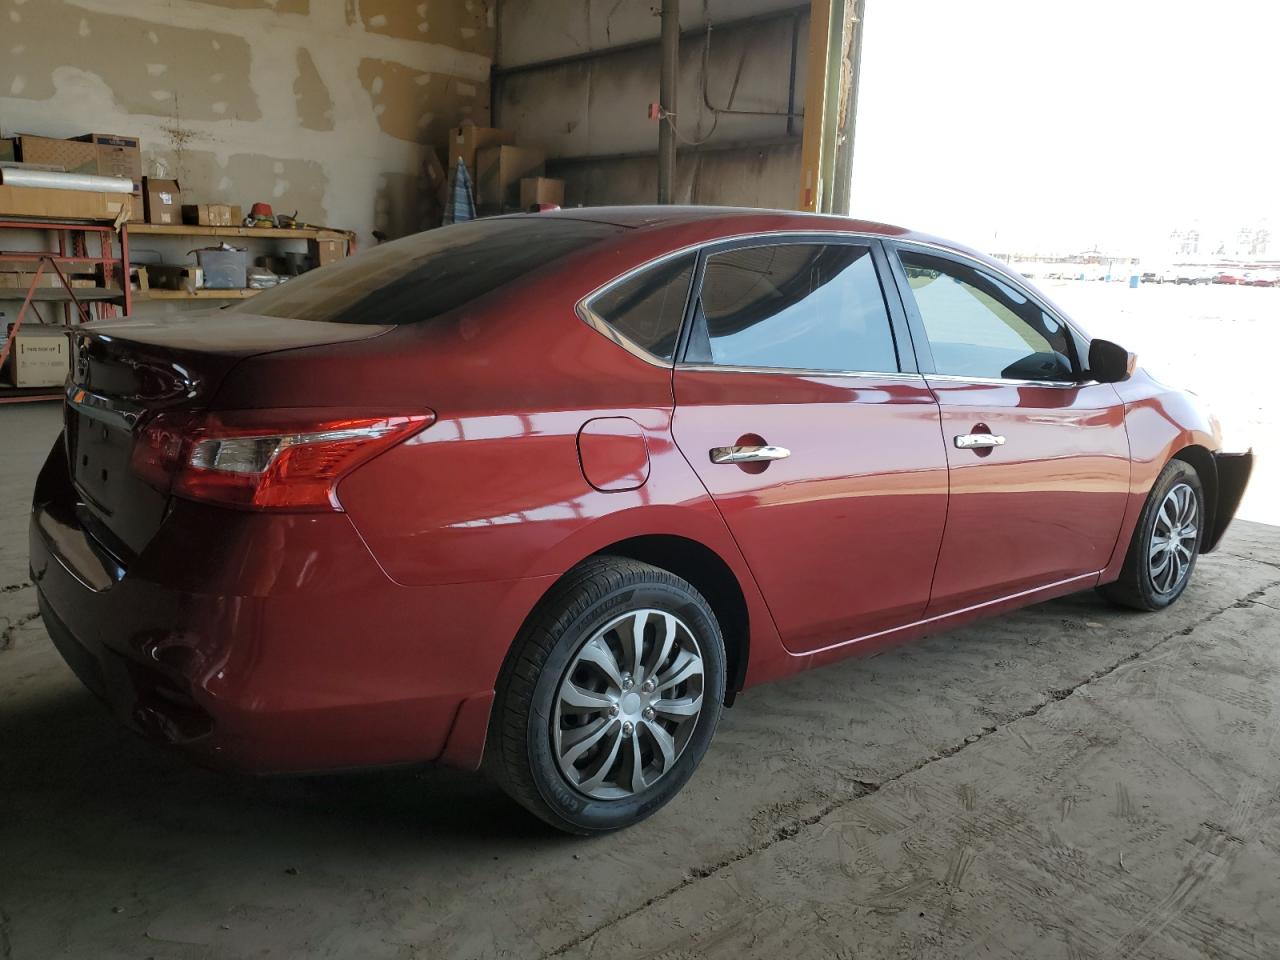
[{"x": 166, "y": 197}]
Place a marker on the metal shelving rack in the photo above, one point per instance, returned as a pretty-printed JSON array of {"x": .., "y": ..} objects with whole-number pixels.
[
  {"x": 229, "y": 233},
  {"x": 72, "y": 251}
]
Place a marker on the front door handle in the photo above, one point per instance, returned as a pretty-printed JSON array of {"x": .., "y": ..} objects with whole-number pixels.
[
  {"x": 977, "y": 441},
  {"x": 748, "y": 454}
]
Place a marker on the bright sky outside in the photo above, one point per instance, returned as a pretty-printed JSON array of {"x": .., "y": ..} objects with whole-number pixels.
[{"x": 1048, "y": 127}]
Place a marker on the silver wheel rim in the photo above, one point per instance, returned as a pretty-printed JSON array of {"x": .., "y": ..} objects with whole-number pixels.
[
  {"x": 627, "y": 705},
  {"x": 1174, "y": 538}
]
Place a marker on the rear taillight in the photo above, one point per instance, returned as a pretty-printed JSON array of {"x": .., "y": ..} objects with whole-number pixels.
[{"x": 264, "y": 460}]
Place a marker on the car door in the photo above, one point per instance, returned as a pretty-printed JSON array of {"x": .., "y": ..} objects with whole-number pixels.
[
  {"x": 1039, "y": 457},
  {"x": 799, "y": 406}
]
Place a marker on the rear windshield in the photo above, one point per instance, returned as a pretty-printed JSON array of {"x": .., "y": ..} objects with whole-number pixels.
[{"x": 429, "y": 273}]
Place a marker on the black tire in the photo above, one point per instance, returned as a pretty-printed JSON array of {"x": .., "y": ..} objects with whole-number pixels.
[
  {"x": 1136, "y": 588},
  {"x": 521, "y": 756}
]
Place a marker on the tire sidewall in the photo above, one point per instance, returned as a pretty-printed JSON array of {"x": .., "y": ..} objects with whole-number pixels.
[
  {"x": 1174, "y": 473},
  {"x": 582, "y": 813}
]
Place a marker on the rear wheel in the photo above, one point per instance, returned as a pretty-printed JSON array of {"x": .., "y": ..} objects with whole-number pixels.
[
  {"x": 1165, "y": 544},
  {"x": 610, "y": 697}
]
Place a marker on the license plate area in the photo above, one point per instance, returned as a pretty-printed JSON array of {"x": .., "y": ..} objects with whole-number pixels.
[
  {"x": 120, "y": 509},
  {"x": 100, "y": 462}
]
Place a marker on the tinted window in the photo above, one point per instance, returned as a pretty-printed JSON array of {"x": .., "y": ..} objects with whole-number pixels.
[
  {"x": 429, "y": 273},
  {"x": 797, "y": 305},
  {"x": 979, "y": 325},
  {"x": 647, "y": 308}
]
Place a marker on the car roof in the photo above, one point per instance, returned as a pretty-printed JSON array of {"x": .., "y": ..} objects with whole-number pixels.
[{"x": 734, "y": 221}]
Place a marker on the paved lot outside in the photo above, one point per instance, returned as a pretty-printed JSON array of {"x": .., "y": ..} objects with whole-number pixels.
[{"x": 1068, "y": 781}]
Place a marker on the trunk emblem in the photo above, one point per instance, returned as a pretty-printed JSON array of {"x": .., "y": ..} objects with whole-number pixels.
[{"x": 82, "y": 361}]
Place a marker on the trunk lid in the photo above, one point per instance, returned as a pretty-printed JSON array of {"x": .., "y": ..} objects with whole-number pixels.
[{"x": 125, "y": 371}]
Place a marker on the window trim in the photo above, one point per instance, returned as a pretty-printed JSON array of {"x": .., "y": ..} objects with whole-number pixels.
[
  {"x": 903, "y": 353},
  {"x": 920, "y": 338},
  {"x": 598, "y": 323},
  {"x": 903, "y": 341}
]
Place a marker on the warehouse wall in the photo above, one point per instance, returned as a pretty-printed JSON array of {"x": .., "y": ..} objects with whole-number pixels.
[
  {"x": 323, "y": 106},
  {"x": 591, "y": 111}
]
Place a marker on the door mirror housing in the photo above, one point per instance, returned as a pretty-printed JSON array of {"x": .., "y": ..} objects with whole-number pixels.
[{"x": 1110, "y": 363}]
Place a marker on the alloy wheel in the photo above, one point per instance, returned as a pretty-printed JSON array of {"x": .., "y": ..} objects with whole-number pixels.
[
  {"x": 628, "y": 704},
  {"x": 1174, "y": 538}
]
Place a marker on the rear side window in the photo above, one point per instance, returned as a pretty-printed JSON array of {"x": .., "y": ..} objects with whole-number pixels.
[
  {"x": 795, "y": 305},
  {"x": 428, "y": 274},
  {"x": 647, "y": 307}
]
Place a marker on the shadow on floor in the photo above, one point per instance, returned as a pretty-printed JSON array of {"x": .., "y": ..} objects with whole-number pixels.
[{"x": 72, "y": 760}]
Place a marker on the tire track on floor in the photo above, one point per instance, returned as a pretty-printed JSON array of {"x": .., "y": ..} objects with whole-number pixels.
[{"x": 865, "y": 788}]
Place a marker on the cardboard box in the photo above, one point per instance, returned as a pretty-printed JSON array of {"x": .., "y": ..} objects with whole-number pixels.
[
  {"x": 162, "y": 201},
  {"x": 118, "y": 156},
  {"x": 467, "y": 140},
  {"x": 536, "y": 190},
  {"x": 499, "y": 171},
  {"x": 437, "y": 185},
  {"x": 48, "y": 278},
  {"x": 63, "y": 204},
  {"x": 70, "y": 155},
  {"x": 39, "y": 357},
  {"x": 326, "y": 250},
  {"x": 165, "y": 277},
  {"x": 212, "y": 214}
]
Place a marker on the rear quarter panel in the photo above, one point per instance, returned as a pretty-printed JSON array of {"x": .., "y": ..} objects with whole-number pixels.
[{"x": 494, "y": 489}]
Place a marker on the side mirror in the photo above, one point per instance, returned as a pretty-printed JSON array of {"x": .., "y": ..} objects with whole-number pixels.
[{"x": 1109, "y": 362}]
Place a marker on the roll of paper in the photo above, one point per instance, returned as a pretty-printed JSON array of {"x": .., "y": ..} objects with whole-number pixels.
[{"x": 17, "y": 177}]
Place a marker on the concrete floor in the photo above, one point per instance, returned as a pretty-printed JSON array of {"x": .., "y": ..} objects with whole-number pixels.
[{"x": 1068, "y": 781}]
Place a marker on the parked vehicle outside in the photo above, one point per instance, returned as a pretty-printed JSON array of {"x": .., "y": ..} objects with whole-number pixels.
[{"x": 548, "y": 491}]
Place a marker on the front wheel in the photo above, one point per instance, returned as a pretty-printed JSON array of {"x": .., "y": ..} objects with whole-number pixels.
[
  {"x": 1165, "y": 544},
  {"x": 610, "y": 697}
]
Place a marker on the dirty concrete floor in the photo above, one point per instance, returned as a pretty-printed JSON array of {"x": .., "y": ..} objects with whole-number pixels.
[{"x": 1068, "y": 781}]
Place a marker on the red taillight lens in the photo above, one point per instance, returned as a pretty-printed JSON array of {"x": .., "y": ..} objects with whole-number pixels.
[
  {"x": 264, "y": 460},
  {"x": 157, "y": 448}
]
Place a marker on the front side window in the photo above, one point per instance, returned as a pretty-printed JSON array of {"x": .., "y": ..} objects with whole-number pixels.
[
  {"x": 802, "y": 306},
  {"x": 979, "y": 325},
  {"x": 648, "y": 306}
]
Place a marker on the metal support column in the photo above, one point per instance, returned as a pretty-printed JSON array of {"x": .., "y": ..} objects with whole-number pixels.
[
  {"x": 667, "y": 100},
  {"x": 842, "y": 184},
  {"x": 826, "y": 81}
]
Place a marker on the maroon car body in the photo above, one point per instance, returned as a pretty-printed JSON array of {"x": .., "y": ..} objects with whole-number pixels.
[{"x": 368, "y": 623}]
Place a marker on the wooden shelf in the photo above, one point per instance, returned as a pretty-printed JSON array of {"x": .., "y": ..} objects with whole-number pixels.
[
  {"x": 11, "y": 394},
  {"x": 194, "y": 294},
  {"x": 62, "y": 295},
  {"x": 191, "y": 230}
]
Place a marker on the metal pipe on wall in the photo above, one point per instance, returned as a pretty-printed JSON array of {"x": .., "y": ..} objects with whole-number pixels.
[{"x": 668, "y": 78}]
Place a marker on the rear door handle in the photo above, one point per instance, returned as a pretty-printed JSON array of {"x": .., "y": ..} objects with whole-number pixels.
[
  {"x": 976, "y": 441},
  {"x": 748, "y": 454}
]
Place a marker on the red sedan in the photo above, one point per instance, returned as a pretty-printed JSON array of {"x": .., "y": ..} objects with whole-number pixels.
[{"x": 550, "y": 490}]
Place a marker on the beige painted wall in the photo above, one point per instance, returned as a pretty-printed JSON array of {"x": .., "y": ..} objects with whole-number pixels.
[{"x": 323, "y": 106}]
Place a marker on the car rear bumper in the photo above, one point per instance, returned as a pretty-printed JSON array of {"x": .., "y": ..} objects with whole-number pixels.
[{"x": 272, "y": 643}]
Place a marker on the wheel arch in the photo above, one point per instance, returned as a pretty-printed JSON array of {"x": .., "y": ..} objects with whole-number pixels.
[
  {"x": 712, "y": 577},
  {"x": 1206, "y": 468}
]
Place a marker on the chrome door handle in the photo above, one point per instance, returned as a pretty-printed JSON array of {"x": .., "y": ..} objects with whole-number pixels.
[
  {"x": 748, "y": 454},
  {"x": 976, "y": 441}
]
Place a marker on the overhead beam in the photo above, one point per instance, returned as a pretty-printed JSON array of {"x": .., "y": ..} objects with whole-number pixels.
[{"x": 695, "y": 33}]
